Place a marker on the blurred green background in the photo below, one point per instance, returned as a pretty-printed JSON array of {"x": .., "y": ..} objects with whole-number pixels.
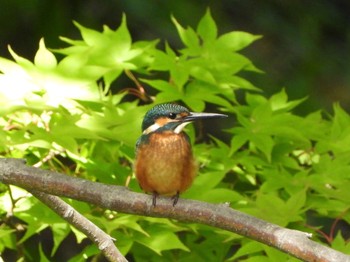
[{"x": 305, "y": 47}]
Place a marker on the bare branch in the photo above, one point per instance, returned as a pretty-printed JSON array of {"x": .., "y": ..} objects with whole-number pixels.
[
  {"x": 121, "y": 199},
  {"x": 100, "y": 238}
]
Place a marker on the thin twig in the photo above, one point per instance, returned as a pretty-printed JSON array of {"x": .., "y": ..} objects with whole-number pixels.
[
  {"x": 139, "y": 91},
  {"x": 48, "y": 157},
  {"x": 99, "y": 237},
  {"x": 335, "y": 222}
]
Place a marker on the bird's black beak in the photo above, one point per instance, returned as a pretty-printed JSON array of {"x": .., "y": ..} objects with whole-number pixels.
[{"x": 197, "y": 116}]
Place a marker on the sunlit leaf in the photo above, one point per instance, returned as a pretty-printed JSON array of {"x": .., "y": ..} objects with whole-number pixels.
[
  {"x": 161, "y": 240},
  {"x": 44, "y": 58},
  {"x": 207, "y": 29},
  {"x": 189, "y": 37},
  {"x": 237, "y": 40}
]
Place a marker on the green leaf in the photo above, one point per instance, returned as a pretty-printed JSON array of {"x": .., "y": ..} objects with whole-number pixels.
[
  {"x": 91, "y": 37},
  {"x": 33, "y": 229},
  {"x": 43, "y": 257},
  {"x": 255, "y": 100},
  {"x": 264, "y": 143},
  {"x": 78, "y": 234},
  {"x": 44, "y": 59},
  {"x": 341, "y": 244},
  {"x": 276, "y": 214},
  {"x": 220, "y": 195},
  {"x": 261, "y": 115},
  {"x": 240, "y": 82},
  {"x": 7, "y": 238},
  {"x": 279, "y": 101},
  {"x": 341, "y": 121},
  {"x": 207, "y": 29},
  {"x": 87, "y": 252},
  {"x": 337, "y": 139},
  {"x": 296, "y": 205},
  {"x": 60, "y": 232},
  {"x": 76, "y": 65},
  {"x": 203, "y": 183},
  {"x": 125, "y": 221},
  {"x": 203, "y": 74},
  {"x": 161, "y": 240},
  {"x": 179, "y": 74},
  {"x": 238, "y": 141},
  {"x": 275, "y": 255},
  {"x": 121, "y": 38},
  {"x": 283, "y": 212},
  {"x": 71, "y": 42},
  {"x": 169, "y": 96},
  {"x": 217, "y": 100},
  {"x": 227, "y": 63},
  {"x": 124, "y": 242},
  {"x": 25, "y": 63},
  {"x": 111, "y": 75},
  {"x": 162, "y": 61},
  {"x": 196, "y": 104},
  {"x": 188, "y": 37},
  {"x": 236, "y": 41},
  {"x": 250, "y": 248},
  {"x": 160, "y": 85}
]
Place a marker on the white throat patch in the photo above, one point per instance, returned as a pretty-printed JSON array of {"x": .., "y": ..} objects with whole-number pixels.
[
  {"x": 156, "y": 126},
  {"x": 151, "y": 129},
  {"x": 180, "y": 127}
]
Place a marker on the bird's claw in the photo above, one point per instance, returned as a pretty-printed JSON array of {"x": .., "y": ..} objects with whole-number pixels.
[{"x": 175, "y": 198}]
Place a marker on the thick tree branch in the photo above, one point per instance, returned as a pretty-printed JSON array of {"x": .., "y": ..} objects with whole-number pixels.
[
  {"x": 121, "y": 199},
  {"x": 99, "y": 237}
]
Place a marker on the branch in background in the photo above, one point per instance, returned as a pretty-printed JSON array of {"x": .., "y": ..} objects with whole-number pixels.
[
  {"x": 99, "y": 237},
  {"x": 121, "y": 199}
]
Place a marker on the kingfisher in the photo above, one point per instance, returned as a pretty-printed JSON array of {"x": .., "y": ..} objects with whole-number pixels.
[{"x": 164, "y": 162}]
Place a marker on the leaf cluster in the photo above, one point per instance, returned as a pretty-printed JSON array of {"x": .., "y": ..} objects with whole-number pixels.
[{"x": 64, "y": 115}]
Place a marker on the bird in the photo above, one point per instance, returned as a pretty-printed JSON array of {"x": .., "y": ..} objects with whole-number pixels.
[{"x": 164, "y": 162}]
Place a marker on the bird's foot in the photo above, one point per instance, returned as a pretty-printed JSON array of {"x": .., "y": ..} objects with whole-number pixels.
[
  {"x": 175, "y": 198},
  {"x": 154, "y": 198}
]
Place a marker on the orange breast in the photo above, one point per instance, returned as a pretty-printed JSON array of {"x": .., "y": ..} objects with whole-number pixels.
[{"x": 165, "y": 164}]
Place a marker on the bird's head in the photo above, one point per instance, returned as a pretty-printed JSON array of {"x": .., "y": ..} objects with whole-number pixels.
[{"x": 171, "y": 117}]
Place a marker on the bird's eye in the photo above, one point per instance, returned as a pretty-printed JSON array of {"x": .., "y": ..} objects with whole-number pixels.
[{"x": 172, "y": 116}]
